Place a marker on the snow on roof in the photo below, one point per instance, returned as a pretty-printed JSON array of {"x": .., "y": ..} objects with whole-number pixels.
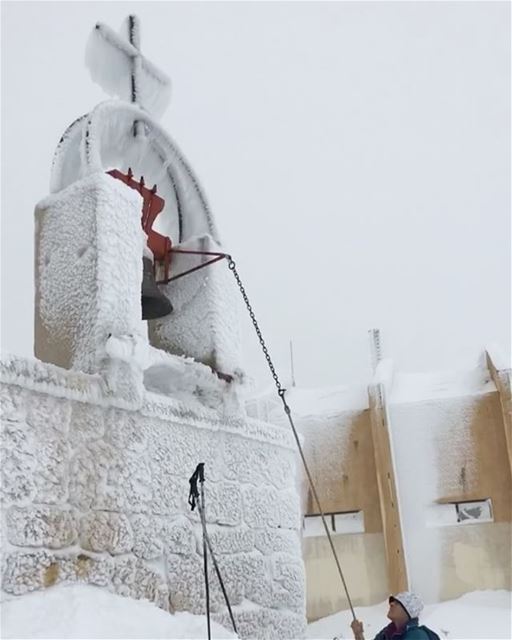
[
  {"x": 83, "y": 611},
  {"x": 499, "y": 358},
  {"x": 325, "y": 402},
  {"x": 417, "y": 387},
  {"x": 328, "y": 400},
  {"x": 400, "y": 388}
]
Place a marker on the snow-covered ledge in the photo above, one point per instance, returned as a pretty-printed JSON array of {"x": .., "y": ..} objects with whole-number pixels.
[{"x": 96, "y": 492}]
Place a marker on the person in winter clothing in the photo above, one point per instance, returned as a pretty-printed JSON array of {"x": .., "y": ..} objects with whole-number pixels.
[{"x": 404, "y": 611}]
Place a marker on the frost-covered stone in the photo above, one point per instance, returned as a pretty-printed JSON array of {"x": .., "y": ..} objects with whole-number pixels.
[
  {"x": 261, "y": 507},
  {"x": 179, "y": 537},
  {"x": 265, "y": 624},
  {"x": 147, "y": 536},
  {"x": 124, "y": 432},
  {"x": 41, "y": 526},
  {"x": 169, "y": 493},
  {"x": 17, "y": 446},
  {"x": 272, "y": 541},
  {"x": 289, "y": 516},
  {"x": 87, "y": 423},
  {"x": 41, "y": 407},
  {"x": 128, "y": 485},
  {"x": 179, "y": 450},
  {"x": 289, "y": 582},
  {"x": 257, "y": 462},
  {"x": 84, "y": 470},
  {"x": 186, "y": 579},
  {"x": 227, "y": 540},
  {"x": 223, "y": 503},
  {"x": 52, "y": 470},
  {"x": 84, "y": 290},
  {"x": 13, "y": 403},
  {"x": 106, "y": 531},
  {"x": 25, "y": 572},
  {"x": 127, "y": 473},
  {"x": 88, "y": 569},
  {"x": 132, "y": 578}
]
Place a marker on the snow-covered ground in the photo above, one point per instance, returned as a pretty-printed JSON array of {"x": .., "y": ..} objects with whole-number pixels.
[
  {"x": 481, "y": 615},
  {"x": 82, "y": 611}
]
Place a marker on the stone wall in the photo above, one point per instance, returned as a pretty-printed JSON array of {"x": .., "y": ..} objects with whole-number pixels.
[{"x": 97, "y": 493}]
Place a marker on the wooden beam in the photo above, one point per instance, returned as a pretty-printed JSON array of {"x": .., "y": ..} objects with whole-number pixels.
[
  {"x": 502, "y": 380},
  {"x": 390, "y": 511}
]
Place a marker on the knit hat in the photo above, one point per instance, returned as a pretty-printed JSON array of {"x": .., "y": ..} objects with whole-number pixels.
[{"x": 411, "y": 603}]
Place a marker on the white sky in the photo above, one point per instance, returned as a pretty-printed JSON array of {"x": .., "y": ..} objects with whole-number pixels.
[{"x": 356, "y": 157}]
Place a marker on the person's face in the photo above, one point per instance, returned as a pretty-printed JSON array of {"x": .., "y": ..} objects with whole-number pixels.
[{"x": 397, "y": 614}]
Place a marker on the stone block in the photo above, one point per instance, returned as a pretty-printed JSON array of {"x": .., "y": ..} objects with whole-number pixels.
[
  {"x": 106, "y": 531},
  {"x": 261, "y": 508},
  {"x": 227, "y": 540},
  {"x": 257, "y": 462},
  {"x": 18, "y": 463},
  {"x": 273, "y": 541},
  {"x": 178, "y": 450},
  {"x": 46, "y": 413},
  {"x": 43, "y": 526},
  {"x": 179, "y": 537},
  {"x": 265, "y": 624},
  {"x": 186, "y": 582},
  {"x": 87, "y": 423},
  {"x": 25, "y": 572},
  {"x": 126, "y": 431},
  {"x": 84, "y": 475},
  {"x": 13, "y": 403},
  {"x": 289, "y": 583},
  {"x": 147, "y": 536},
  {"x": 169, "y": 493},
  {"x": 131, "y": 577},
  {"x": 51, "y": 473},
  {"x": 288, "y": 507},
  {"x": 223, "y": 503}
]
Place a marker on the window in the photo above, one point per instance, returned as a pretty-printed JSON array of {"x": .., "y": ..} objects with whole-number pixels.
[
  {"x": 337, "y": 523},
  {"x": 481, "y": 511},
  {"x": 464, "y": 512}
]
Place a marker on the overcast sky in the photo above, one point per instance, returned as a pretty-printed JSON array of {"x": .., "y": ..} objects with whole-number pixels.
[{"x": 356, "y": 157}]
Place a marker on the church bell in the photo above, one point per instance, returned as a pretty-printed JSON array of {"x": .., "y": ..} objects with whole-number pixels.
[{"x": 154, "y": 303}]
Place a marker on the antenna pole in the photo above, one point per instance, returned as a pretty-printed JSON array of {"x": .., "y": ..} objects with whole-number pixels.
[
  {"x": 291, "y": 364},
  {"x": 375, "y": 347}
]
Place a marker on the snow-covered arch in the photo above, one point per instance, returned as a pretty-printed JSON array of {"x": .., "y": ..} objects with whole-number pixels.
[{"x": 103, "y": 139}]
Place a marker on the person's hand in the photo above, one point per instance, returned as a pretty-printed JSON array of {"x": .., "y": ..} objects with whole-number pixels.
[{"x": 357, "y": 628}]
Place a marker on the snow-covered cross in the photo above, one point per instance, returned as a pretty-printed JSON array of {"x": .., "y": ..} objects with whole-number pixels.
[{"x": 118, "y": 66}]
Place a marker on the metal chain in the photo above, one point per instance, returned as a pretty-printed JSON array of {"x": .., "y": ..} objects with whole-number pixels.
[
  {"x": 281, "y": 392},
  {"x": 232, "y": 267}
]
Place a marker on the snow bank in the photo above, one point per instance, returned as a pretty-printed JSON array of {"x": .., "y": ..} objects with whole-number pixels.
[
  {"x": 90, "y": 612},
  {"x": 474, "y": 616}
]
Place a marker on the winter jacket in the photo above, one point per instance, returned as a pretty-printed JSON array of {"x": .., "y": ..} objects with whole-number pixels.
[{"x": 410, "y": 632}]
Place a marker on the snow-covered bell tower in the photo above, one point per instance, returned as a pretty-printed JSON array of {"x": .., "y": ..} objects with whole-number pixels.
[
  {"x": 103, "y": 429},
  {"x": 89, "y": 238}
]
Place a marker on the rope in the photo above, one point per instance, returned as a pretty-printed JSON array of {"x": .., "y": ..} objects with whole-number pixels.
[{"x": 281, "y": 392}]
